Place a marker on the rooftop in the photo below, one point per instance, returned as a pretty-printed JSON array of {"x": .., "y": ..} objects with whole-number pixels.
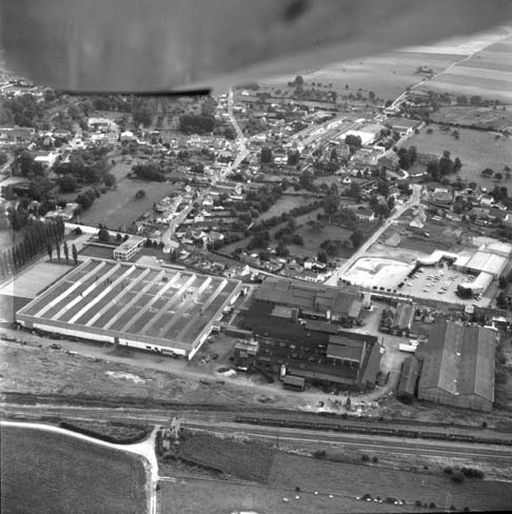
[
  {"x": 459, "y": 359},
  {"x": 108, "y": 299}
]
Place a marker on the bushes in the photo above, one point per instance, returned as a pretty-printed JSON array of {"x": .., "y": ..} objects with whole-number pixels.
[
  {"x": 472, "y": 472},
  {"x": 365, "y": 458},
  {"x": 319, "y": 454},
  {"x": 118, "y": 433},
  {"x": 458, "y": 477}
]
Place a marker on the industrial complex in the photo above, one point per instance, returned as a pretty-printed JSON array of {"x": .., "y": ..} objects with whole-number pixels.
[{"x": 163, "y": 310}]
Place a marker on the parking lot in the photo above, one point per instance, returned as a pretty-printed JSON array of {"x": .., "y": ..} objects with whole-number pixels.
[{"x": 439, "y": 283}]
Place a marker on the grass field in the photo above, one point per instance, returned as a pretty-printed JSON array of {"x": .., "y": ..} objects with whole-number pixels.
[
  {"x": 285, "y": 204},
  {"x": 355, "y": 479},
  {"x": 118, "y": 208},
  {"x": 476, "y": 149},
  {"x": 243, "y": 460},
  {"x": 196, "y": 496},
  {"x": 44, "y": 472},
  {"x": 484, "y": 117}
]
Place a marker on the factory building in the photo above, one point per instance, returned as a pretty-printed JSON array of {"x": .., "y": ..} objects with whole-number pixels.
[
  {"x": 458, "y": 366},
  {"x": 158, "y": 309}
]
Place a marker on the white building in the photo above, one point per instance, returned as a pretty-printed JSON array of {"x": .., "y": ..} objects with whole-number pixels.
[{"x": 129, "y": 248}]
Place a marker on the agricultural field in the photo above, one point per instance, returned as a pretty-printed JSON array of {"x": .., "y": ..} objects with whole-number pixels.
[
  {"x": 482, "y": 117},
  {"x": 387, "y": 75},
  {"x": 243, "y": 460},
  {"x": 45, "y": 472},
  {"x": 487, "y": 73},
  {"x": 475, "y": 148}
]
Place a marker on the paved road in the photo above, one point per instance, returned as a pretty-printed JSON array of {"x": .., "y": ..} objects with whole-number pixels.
[{"x": 344, "y": 267}]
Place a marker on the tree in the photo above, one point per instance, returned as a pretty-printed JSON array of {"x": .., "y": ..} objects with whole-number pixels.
[
  {"x": 109, "y": 179},
  {"x": 57, "y": 248},
  {"x": 498, "y": 176},
  {"x": 140, "y": 194},
  {"x": 3, "y": 158},
  {"x": 446, "y": 165},
  {"x": 371, "y": 95},
  {"x": 68, "y": 183},
  {"x": 322, "y": 257},
  {"x": 457, "y": 164},
  {"x": 357, "y": 238},
  {"x": 75, "y": 254},
  {"x": 297, "y": 239},
  {"x": 355, "y": 142},
  {"x": 433, "y": 170},
  {"x": 330, "y": 206},
  {"x": 104, "y": 235},
  {"x": 282, "y": 250},
  {"x": 266, "y": 155},
  {"x": 50, "y": 250},
  {"x": 66, "y": 252},
  {"x": 355, "y": 191}
]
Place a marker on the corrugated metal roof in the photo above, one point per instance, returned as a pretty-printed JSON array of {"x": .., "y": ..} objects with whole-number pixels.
[
  {"x": 347, "y": 352},
  {"x": 460, "y": 360}
]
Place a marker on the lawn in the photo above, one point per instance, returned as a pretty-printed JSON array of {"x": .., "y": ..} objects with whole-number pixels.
[
  {"x": 475, "y": 148},
  {"x": 118, "y": 207},
  {"x": 100, "y": 252},
  {"x": 285, "y": 204},
  {"x": 44, "y": 472}
]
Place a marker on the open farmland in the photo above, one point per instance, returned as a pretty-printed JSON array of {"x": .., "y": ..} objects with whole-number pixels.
[
  {"x": 387, "y": 75},
  {"x": 45, "y": 472},
  {"x": 486, "y": 73},
  {"x": 475, "y": 148},
  {"x": 244, "y": 460}
]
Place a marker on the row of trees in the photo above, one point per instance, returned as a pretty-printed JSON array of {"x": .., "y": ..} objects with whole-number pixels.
[
  {"x": 38, "y": 236},
  {"x": 65, "y": 250}
]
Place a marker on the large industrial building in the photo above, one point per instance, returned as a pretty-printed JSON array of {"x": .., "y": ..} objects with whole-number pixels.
[
  {"x": 318, "y": 351},
  {"x": 458, "y": 366},
  {"x": 158, "y": 309},
  {"x": 311, "y": 300}
]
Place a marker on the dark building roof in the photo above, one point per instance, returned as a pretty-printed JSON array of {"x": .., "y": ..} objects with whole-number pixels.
[
  {"x": 404, "y": 315},
  {"x": 408, "y": 377},
  {"x": 310, "y": 298},
  {"x": 459, "y": 360},
  {"x": 294, "y": 381},
  {"x": 321, "y": 326}
]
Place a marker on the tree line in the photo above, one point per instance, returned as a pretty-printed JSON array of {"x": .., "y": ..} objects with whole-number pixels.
[{"x": 38, "y": 237}]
